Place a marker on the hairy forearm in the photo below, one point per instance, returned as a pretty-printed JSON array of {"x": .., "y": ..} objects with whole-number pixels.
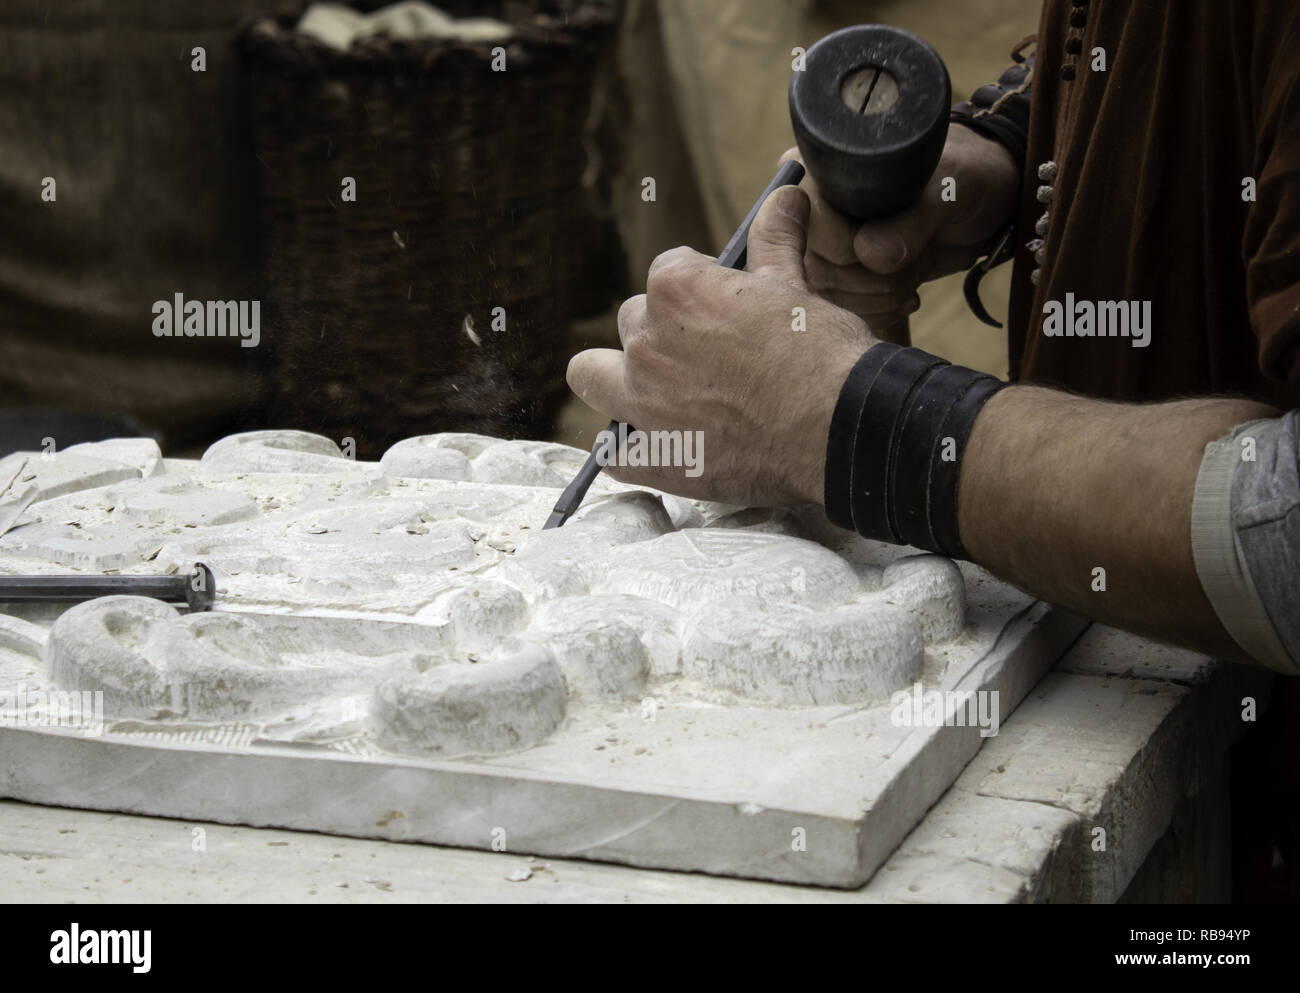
[
  {"x": 1052, "y": 488},
  {"x": 1055, "y": 487}
]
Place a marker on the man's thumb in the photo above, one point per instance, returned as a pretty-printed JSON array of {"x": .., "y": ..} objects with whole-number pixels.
[
  {"x": 779, "y": 235},
  {"x": 890, "y": 244}
]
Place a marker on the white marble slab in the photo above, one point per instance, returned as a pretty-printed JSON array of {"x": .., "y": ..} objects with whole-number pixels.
[{"x": 398, "y": 653}]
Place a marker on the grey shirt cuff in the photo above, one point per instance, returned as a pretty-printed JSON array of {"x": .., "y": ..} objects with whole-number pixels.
[{"x": 1246, "y": 537}]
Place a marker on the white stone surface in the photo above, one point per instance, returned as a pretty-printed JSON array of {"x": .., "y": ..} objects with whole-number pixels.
[
  {"x": 971, "y": 847},
  {"x": 660, "y": 682}
]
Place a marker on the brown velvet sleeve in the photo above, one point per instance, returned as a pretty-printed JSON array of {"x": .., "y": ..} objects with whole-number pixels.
[{"x": 1271, "y": 242}]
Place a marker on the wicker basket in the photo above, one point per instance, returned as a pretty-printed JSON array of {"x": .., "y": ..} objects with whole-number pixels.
[{"x": 379, "y": 313}]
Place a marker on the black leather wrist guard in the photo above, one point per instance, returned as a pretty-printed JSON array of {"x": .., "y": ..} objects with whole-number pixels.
[{"x": 894, "y": 451}]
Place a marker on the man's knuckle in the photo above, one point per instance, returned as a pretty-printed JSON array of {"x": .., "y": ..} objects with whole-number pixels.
[
  {"x": 672, "y": 257},
  {"x": 639, "y": 349},
  {"x": 629, "y": 312},
  {"x": 670, "y": 279}
]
